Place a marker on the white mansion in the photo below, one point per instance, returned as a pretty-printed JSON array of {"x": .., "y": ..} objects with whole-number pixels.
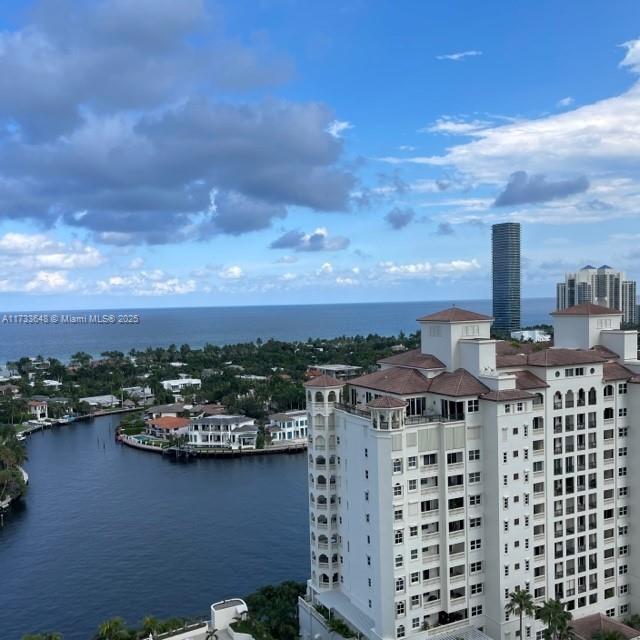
[{"x": 469, "y": 468}]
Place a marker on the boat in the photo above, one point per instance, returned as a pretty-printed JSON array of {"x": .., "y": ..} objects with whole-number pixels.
[{"x": 20, "y": 437}]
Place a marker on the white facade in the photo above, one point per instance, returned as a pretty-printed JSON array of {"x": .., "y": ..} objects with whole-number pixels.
[
  {"x": 288, "y": 426},
  {"x": 176, "y": 386},
  {"x": 223, "y": 431},
  {"x": 513, "y": 474}
]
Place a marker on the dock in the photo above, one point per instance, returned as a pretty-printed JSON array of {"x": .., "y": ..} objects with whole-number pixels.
[{"x": 185, "y": 453}]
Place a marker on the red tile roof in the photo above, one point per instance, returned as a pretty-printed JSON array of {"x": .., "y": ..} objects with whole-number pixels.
[
  {"x": 169, "y": 422},
  {"x": 511, "y": 360},
  {"x": 506, "y": 395},
  {"x": 527, "y": 380},
  {"x": 605, "y": 352},
  {"x": 457, "y": 383},
  {"x": 387, "y": 402},
  {"x": 615, "y": 371},
  {"x": 398, "y": 380},
  {"x": 560, "y": 357},
  {"x": 414, "y": 358},
  {"x": 587, "y": 309},
  {"x": 323, "y": 381},
  {"x": 454, "y": 314}
]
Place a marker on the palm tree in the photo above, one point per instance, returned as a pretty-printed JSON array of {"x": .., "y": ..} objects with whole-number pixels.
[
  {"x": 556, "y": 619},
  {"x": 520, "y": 604},
  {"x": 113, "y": 629}
]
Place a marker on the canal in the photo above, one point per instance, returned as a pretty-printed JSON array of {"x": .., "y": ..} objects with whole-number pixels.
[{"x": 107, "y": 531}]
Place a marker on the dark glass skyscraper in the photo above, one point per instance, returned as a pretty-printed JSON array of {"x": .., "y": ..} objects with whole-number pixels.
[{"x": 505, "y": 253}]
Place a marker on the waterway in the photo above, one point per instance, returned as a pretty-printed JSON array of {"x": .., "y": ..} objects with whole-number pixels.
[{"x": 106, "y": 530}]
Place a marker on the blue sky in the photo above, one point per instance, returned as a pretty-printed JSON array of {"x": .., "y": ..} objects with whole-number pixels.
[{"x": 187, "y": 152}]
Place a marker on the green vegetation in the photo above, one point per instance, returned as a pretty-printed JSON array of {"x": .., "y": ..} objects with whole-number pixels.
[
  {"x": 520, "y": 604},
  {"x": 273, "y": 612},
  {"x": 282, "y": 364},
  {"x": 273, "y": 615},
  {"x": 132, "y": 424},
  {"x": 12, "y": 454},
  {"x": 557, "y": 620},
  {"x": 334, "y": 623},
  {"x": 633, "y": 621}
]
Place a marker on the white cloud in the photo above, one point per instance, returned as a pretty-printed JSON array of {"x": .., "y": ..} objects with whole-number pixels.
[
  {"x": 459, "y": 55},
  {"x": 565, "y": 102},
  {"x": 234, "y": 272},
  {"x": 457, "y": 126},
  {"x": 632, "y": 57},
  {"x": 136, "y": 263},
  {"x": 428, "y": 269},
  {"x": 345, "y": 281},
  {"x": 288, "y": 276},
  {"x": 49, "y": 282},
  {"x": 146, "y": 283},
  {"x": 326, "y": 267},
  {"x": 337, "y": 127}
]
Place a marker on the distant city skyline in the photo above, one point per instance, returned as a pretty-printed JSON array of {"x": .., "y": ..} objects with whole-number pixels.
[{"x": 196, "y": 153}]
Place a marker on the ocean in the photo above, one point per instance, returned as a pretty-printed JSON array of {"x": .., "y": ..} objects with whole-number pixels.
[{"x": 229, "y": 325}]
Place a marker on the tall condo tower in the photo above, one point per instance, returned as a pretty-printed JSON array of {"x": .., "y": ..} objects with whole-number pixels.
[{"x": 505, "y": 251}]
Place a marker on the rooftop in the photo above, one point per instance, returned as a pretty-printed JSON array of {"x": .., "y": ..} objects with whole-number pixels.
[
  {"x": 526, "y": 380},
  {"x": 585, "y": 628},
  {"x": 387, "y": 402},
  {"x": 323, "y": 381},
  {"x": 457, "y": 384},
  {"x": 169, "y": 422},
  {"x": 507, "y": 394},
  {"x": 454, "y": 314},
  {"x": 397, "y": 380},
  {"x": 615, "y": 371},
  {"x": 414, "y": 358},
  {"x": 587, "y": 309}
]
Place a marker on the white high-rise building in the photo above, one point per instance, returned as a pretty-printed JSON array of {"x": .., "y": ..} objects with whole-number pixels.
[
  {"x": 467, "y": 469},
  {"x": 602, "y": 286}
]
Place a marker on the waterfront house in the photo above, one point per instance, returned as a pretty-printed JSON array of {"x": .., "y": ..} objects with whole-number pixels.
[
  {"x": 183, "y": 383},
  {"x": 52, "y": 384},
  {"x": 38, "y": 409},
  {"x": 288, "y": 426},
  {"x": 107, "y": 401},
  {"x": 209, "y": 409},
  {"x": 167, "y": 427},
  {"x": 140, "y": 395},
  {"x": 173, "y": 410},
  {"x": 223, "y": 431}
]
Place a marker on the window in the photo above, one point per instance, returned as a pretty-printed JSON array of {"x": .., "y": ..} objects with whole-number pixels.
[
  {"x": 399, "y": 585},
  {"x": 430, "y": 459},
  {"x": 475, "y": 567},
  {"x": 474, "y": 477},
  {"x": 412, "y": 462},
  {"x": 454, "y": 457},
  {"x": 414, "y": 578},
  {"x": 397, "y": 514},
  {"x": 623, "y": 491},
  {"x": 475, "y": 522},
  {"x": 476, "y": 589},
  {"x": 475, "y": 500},
  {"x": 398, "y": 561},
  {"x": 474, "y": 545},
  {"x": 397, "y": 490},
  {"x": 413, "y": 531},
  {"x": 476, "y": 610},
  {"x": 623, "y": 432},
  {"x": 415, "y": 601},
  {"x": 400, "y": 606},
  {"x": 398, "y": 536},
  {"x": 622, "y": 471},
  {"x": 397, "y": 465},
  {"x": 507, "y": 408},
  {"x": 413, "y": 485},
  {"x": 472, "y": 406},
  {"x": 622, "y": 387},
  {"x": 622, "y": 569},
  {"x": 622, "y": 412},
  {"x": 506, "y": 570},
  {"x": 608, "y": 390},
  {"x": 622, "y": 451},
  {"x": 474, "y": 454}
]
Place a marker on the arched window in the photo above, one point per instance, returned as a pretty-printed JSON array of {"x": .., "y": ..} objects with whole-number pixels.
[
  {"x": 322, "y": 539},
  {"x": 400, "y": 631},
  {"x": 322, "y": 481},
  {"x": 608, "y": 391},
  {"x": 334, "y": 538},
  {"x": 332, "y": 481},
  {"x": 332, "y": 396},
  {"x": 538, "y": 400},
  {"x": 321, "y": 461},
  {"x": 332, "y": 459},
  {"x": 323, "y": 558},
  {"x": 322, "y": 519},
  {"x": 608, "y": 413},
  {"x": 312, "y": 498},
  {"x": 569, "y": 400},
  {"x": 320, "y": 442},
  {"x": 335, "y": 578},
  {"x": 334, "y": 557},
  {"x": 557, "y": 400},
  {"x": 581, "y": 398},
  {"x": 592, "y": 396},
  {"x": 332, "y": 442},
  {"x": 319, "y": 396},
  {"x": 322, "y": 500},
  {"x": 324, "y": 578}
]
